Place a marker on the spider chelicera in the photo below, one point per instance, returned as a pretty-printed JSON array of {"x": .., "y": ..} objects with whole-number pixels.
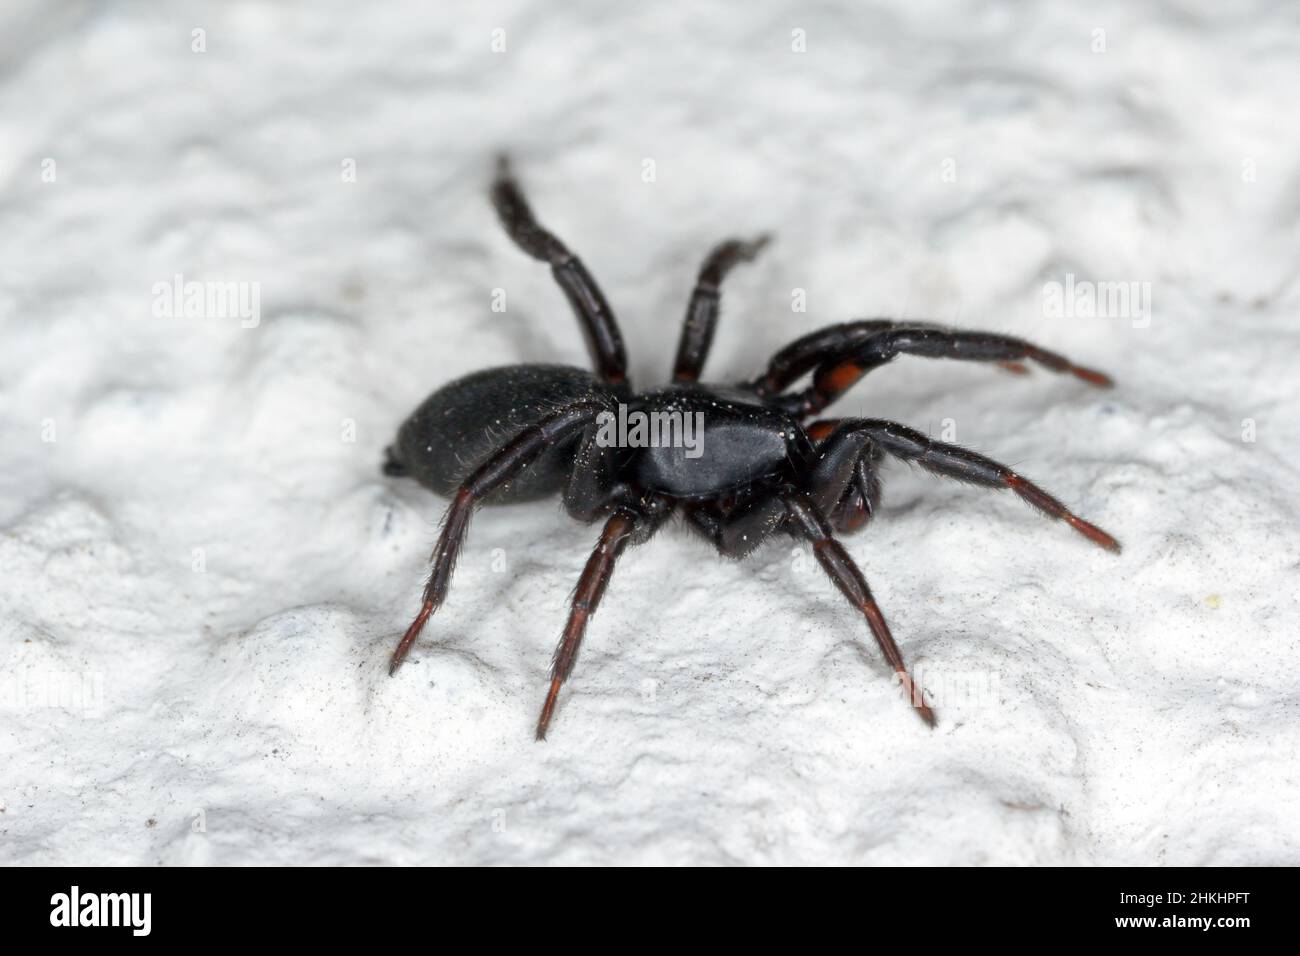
[{"x": 525, "y": 432}]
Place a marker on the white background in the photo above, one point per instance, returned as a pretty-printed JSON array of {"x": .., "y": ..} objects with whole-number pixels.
[{"x": 203, "y": 580}]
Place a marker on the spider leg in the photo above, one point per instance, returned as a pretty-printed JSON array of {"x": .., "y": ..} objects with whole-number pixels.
[
  {"x": 497, "y": 470},
  {"x": 599, "y": 327},
  {"x": 622, "y": 527},
  {"x": 841, "y": 354},
  {"x": 808, "y": 522},
  {"x": 953, "y": 461},
  {"x": 702, "y": 311},
  {"x": 843, "y": 482},
  {"x": 857, "y": 504}
]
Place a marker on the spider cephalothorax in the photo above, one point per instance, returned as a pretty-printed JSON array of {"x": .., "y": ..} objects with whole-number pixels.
[{"x": 750, "y": 464}]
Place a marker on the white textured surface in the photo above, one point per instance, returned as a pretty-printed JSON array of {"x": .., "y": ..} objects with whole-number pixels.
[{"x": 1142, "y": 709}]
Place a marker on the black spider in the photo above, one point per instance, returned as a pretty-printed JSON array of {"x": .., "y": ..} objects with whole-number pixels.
[{"x": 525, "y": 432}]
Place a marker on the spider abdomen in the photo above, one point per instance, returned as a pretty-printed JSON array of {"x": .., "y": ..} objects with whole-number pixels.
[{"x": 457, "y": 427}]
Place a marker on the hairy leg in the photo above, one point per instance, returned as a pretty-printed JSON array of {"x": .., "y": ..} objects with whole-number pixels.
[
  {"x": 953, "y": 461},
  {"x": 599, "y": 326},
  {"x": 808, "y": 522},
  {"x": 838, "y": 356},
  {"x": 702, "y": 312},
  {"x": 844, "y": 482},
  {"x": 619, "y": 531},
  {"x": 496, "y": 471}
]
